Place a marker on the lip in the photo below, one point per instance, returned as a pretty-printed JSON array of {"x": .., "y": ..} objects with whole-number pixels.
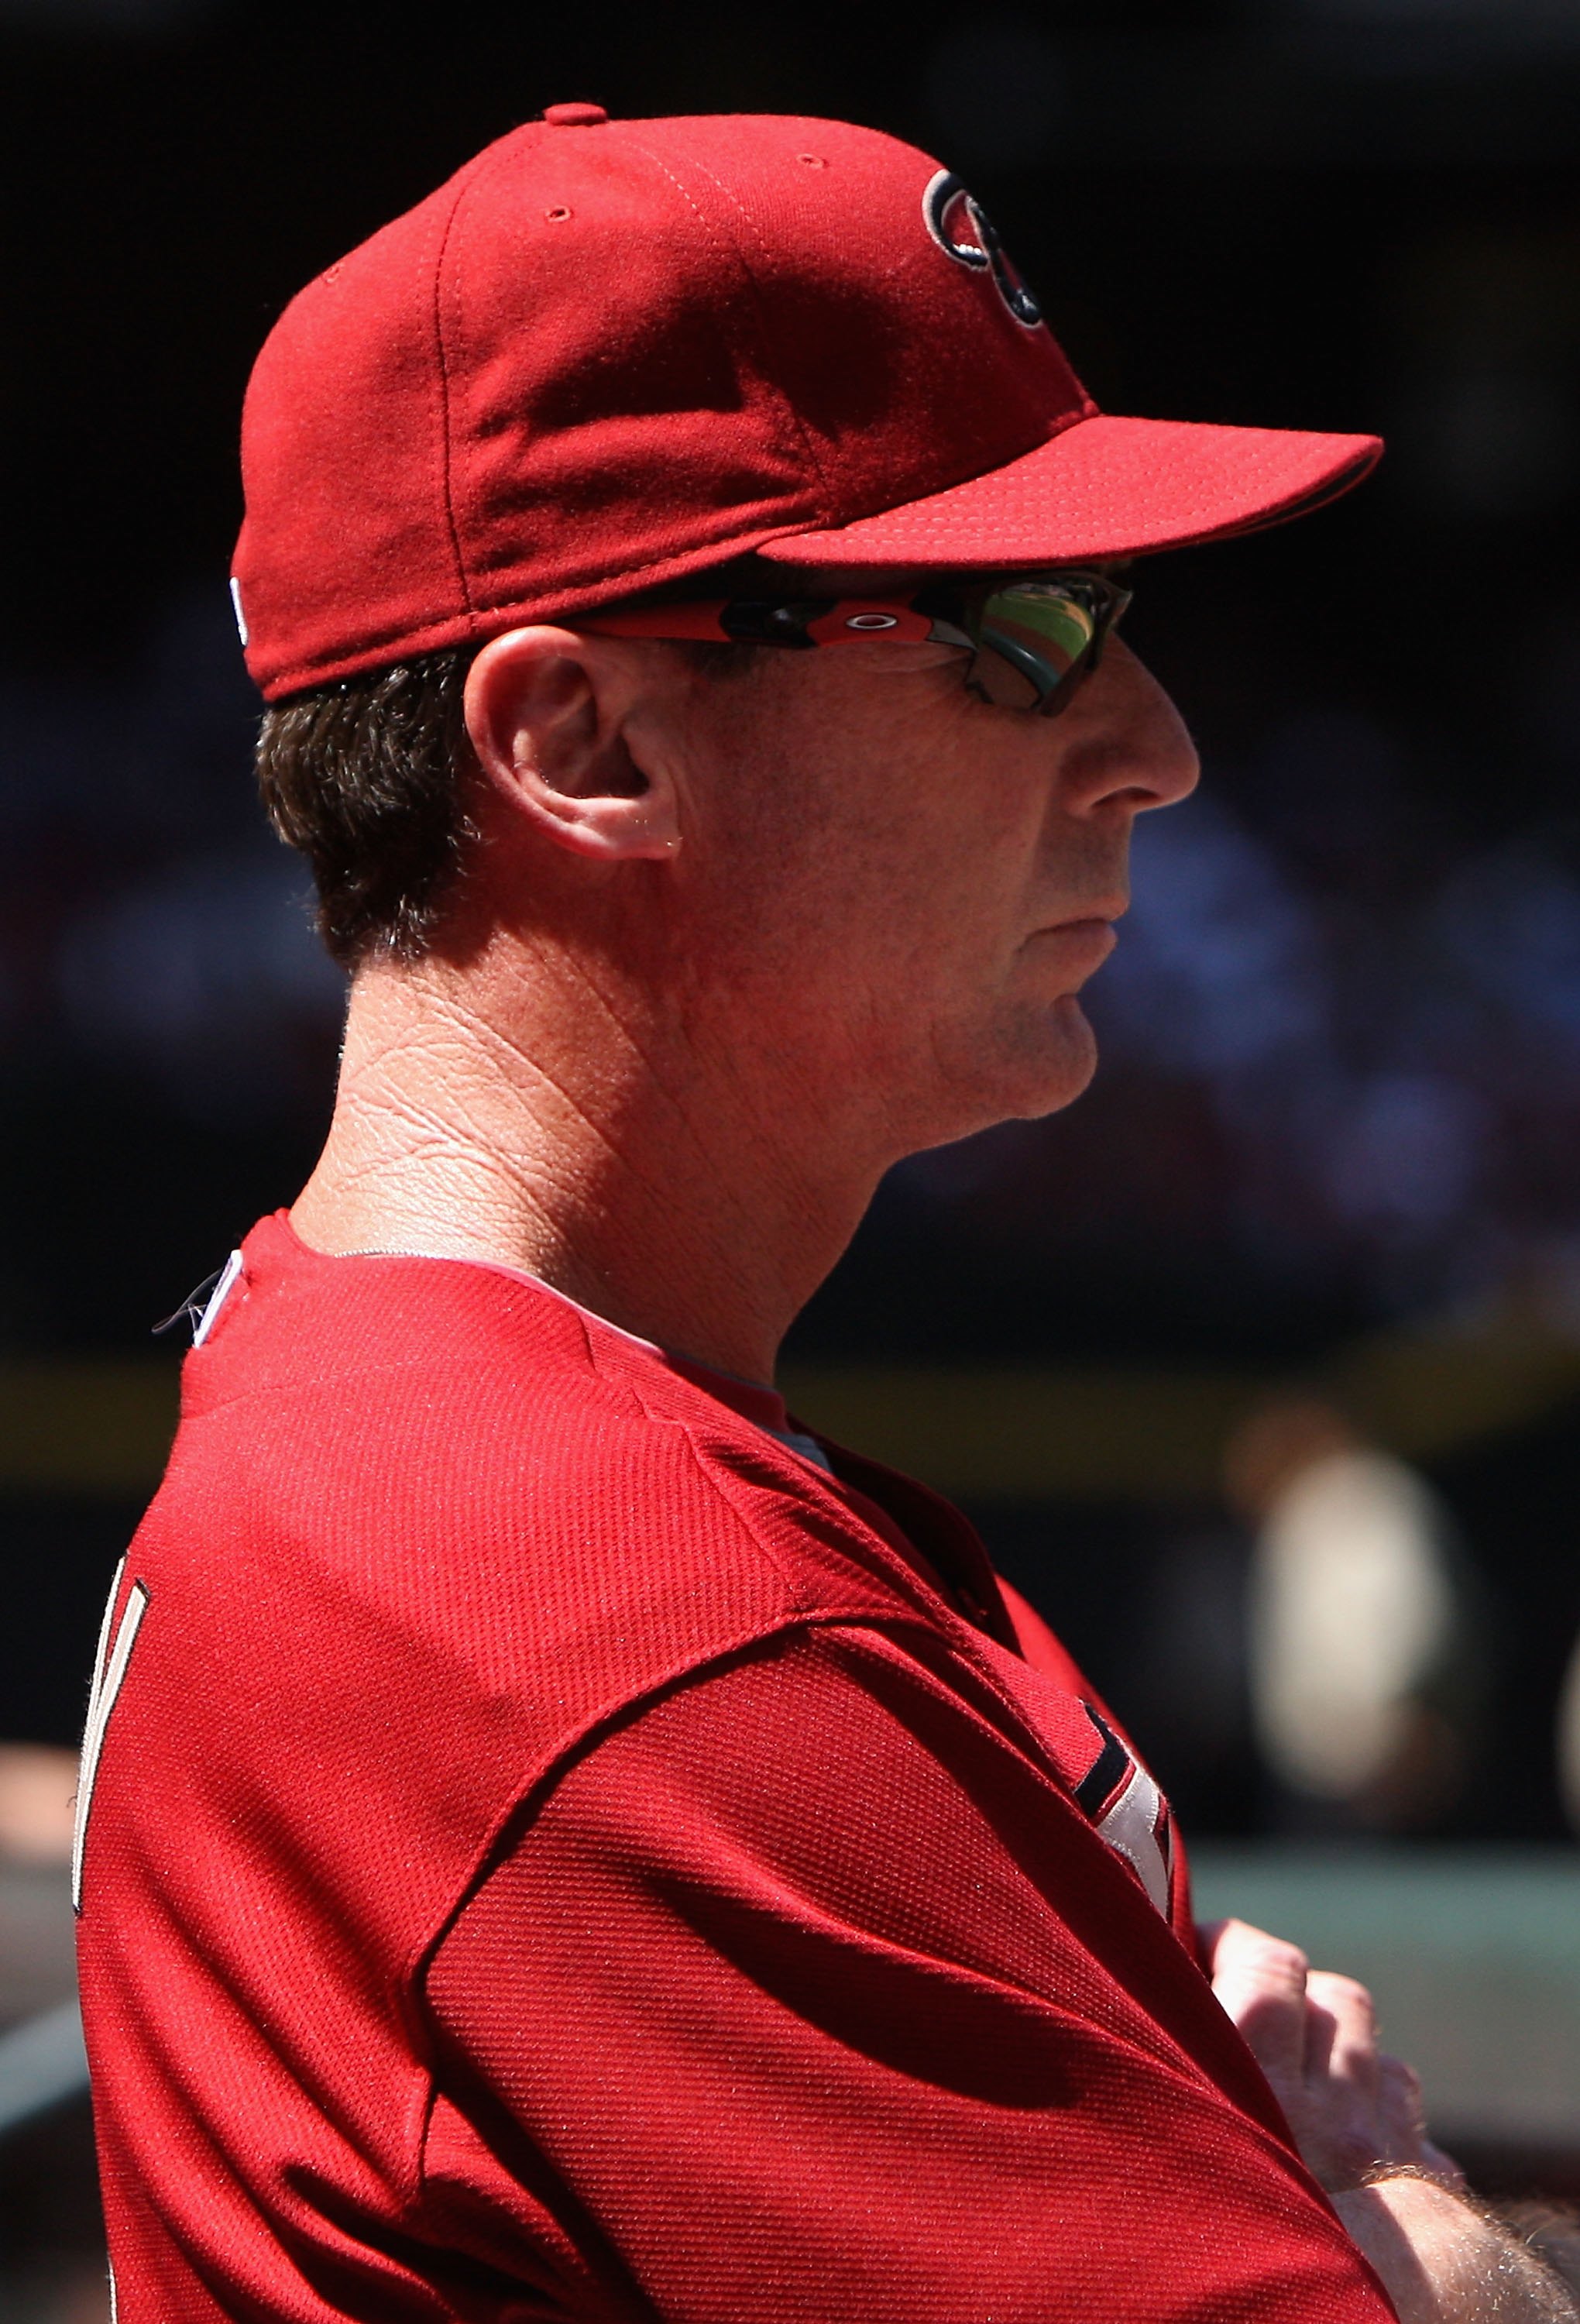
[
  {"x": 1085, "y": 942},
  {"x": 1101, "y": 908},
  {"x": 1097, "y": 919}
]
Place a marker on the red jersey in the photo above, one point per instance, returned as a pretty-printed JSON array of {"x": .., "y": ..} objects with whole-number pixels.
[{"x": 553, "y": 1851}]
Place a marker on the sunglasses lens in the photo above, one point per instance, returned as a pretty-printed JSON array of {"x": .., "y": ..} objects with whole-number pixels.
[
  {"x": 1031, "y": 637},
  {"x": 1005, "y": 682}
]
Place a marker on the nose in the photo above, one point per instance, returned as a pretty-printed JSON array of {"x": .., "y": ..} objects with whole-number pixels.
[{"x": 1130, "y": 747}]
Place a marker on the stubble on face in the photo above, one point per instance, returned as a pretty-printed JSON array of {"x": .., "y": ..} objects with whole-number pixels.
[{"x": 906, "y": 889}]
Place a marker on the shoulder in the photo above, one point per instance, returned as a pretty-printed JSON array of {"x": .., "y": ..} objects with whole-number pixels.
[
  {"x": 427, "y": 1534},
  {"x": 409, "y": 1487}
]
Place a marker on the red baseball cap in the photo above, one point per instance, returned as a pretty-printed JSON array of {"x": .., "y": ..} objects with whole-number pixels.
[{"x": 607, "y": 355}]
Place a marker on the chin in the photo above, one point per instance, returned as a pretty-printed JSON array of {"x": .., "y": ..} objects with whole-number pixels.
[
  {"x": 1060, "y": 1080},
  {"x": 1035, "y": 1064}
]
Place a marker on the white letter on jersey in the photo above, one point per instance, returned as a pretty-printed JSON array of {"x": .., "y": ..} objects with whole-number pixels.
[
  {"x": 1131, "y": 1828},
  {"x": 109, "y": 1669}
]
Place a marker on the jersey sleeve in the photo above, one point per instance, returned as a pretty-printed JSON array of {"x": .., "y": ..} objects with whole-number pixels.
[{"x": 803, "y": 1995}]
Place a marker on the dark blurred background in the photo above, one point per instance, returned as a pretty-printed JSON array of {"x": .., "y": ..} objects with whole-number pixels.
[{"x": 1261, "y": 1368}]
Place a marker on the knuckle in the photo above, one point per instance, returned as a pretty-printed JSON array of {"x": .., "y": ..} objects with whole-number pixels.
[
  {"x": 1283, "y": 1961},
  {"x": 1347, "y": 1999},
  {"x": 1342, "y": 1989}
]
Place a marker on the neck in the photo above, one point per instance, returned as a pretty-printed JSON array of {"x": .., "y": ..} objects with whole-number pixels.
[{"x": 516, "y": 1111}]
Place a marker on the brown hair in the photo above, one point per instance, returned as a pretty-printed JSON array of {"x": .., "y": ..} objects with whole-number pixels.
[{"x": 363, "y": 777}]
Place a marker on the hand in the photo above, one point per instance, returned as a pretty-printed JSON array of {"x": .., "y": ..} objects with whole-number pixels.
[{"x": 1352, "y": 2108}]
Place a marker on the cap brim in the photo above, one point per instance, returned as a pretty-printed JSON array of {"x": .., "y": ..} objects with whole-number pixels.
[{"x": 1105, "y": 487}]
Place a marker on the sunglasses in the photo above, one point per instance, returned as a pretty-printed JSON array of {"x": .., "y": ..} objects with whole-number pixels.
[{"x": 1033, "y": 638}]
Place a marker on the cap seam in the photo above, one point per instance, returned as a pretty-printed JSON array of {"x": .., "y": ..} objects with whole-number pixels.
[
  {"x": 452, "y": 528},
  {"x": 785, "y": 411},
  {"x": 758, "y": 303}
]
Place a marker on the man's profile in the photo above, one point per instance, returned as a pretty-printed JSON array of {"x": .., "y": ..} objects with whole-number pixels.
[{"x": 555, "y": 1839}]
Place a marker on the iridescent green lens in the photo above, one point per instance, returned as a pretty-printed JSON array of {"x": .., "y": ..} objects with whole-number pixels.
[{"x": 1036, "y": 639}]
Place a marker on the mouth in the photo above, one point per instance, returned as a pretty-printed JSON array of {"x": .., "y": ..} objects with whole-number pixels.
[{"x": 1081, "y": 944}]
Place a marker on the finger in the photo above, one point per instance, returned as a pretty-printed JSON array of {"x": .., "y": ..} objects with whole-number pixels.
[
  {"x": 1229, "y": 1938},
  {"x": 1321, "y": 2031},
  {"x": 1350, "y": 2049},
  {"x": 1261, "y": 1982}
]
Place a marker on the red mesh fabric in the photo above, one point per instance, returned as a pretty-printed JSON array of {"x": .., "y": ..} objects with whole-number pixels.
[
  {"x": 910, "y": 2055},
  {"x": 552, "y": 1856}
]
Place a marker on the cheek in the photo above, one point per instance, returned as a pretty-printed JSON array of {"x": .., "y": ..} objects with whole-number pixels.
[
  {"x": 965, "y": 860},
  {"x": 879, "y": 838}
]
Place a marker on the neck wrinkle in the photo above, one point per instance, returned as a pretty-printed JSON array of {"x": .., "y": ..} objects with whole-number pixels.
[{"x": 586, "y": 1144}]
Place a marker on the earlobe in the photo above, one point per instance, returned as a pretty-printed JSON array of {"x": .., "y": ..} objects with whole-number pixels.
[{"x": 546, "y": 713}]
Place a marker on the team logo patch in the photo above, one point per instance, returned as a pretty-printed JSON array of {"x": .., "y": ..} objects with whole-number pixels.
[{"x": 963, "y": 231}]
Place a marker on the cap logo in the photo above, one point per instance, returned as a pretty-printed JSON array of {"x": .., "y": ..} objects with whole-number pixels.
[{"x": 964, "y": 232}]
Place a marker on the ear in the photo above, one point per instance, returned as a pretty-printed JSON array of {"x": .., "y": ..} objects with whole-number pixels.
[{"x": 546, "y": 711}]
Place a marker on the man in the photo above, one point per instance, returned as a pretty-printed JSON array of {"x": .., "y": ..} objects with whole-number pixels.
[{"x": 555, "y": 1839}]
